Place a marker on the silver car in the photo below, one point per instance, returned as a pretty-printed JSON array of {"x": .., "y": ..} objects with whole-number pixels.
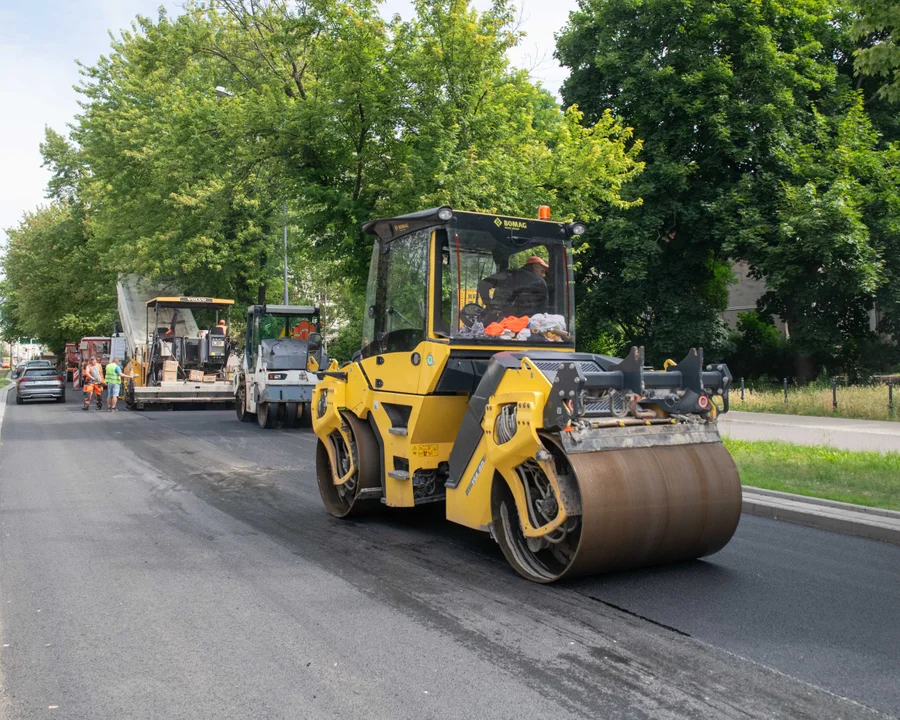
[
  {"x": 40, "y": 382},
  {"x": 39, "y": 363}
]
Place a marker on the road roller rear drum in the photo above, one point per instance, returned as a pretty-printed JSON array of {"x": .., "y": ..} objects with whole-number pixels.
[{"x": 350, "y": 453}]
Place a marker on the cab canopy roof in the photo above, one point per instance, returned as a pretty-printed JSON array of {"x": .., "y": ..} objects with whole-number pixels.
[
  {"x": 388, "y": 229},
  {"x": 191, "y": 302},
  {"x": 284, "y": 309}
]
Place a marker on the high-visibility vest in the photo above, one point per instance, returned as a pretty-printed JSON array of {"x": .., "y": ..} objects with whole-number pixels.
[
  {"x": 302, "y": 330},
  {"x": 112, "y": 377}
]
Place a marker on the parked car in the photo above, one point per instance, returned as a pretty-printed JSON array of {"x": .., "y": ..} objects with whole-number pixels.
[
  {"x": 40, "y": 382},
  {"x": 39, "y": 363}
]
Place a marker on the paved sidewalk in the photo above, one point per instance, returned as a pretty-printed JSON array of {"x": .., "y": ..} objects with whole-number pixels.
[
  {"x": 844, "y": 518},
  {"x": 874, "y": 435}
]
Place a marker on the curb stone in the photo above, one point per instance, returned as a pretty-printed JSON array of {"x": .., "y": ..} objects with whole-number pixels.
[
  {"x": 845, "y": 518},
  {"x": 3, "y": 392}
]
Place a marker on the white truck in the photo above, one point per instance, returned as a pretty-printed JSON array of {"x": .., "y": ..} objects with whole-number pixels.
[{"x": 282, "y": 353}]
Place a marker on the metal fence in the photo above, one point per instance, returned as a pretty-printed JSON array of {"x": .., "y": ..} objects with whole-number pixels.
[{"x": 785, "y": 387}]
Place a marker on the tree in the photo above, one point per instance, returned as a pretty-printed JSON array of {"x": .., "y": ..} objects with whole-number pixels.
[
  {"x": 176, "y": 187},
  {"x": 878, "y": 30},
  {"x": 754, "y": 138},
  {"x": 813, "y": 231},
  {"x": 55, "y": 286},
  {"x": 329, "y": 106}
]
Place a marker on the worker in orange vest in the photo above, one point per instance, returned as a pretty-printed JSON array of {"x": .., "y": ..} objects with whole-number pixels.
[{"x": 92, "y": 383}]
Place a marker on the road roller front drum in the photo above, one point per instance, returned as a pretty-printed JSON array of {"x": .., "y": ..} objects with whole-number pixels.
[{"x": 636, "y": 507}]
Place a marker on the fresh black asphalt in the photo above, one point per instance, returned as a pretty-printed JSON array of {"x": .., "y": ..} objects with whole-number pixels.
[{"x": 180, "y": 564}]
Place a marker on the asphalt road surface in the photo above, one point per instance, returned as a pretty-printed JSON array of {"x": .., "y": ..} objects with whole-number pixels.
[
  {"x": 871, "y": 435},
  {"x": 181, "y": 565}
]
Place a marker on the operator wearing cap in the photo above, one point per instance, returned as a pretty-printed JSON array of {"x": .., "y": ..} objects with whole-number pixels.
[{"x": 516, "y": 291}]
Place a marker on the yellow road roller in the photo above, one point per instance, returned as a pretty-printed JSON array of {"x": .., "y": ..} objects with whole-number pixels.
[{"x": 468, "y": 391}]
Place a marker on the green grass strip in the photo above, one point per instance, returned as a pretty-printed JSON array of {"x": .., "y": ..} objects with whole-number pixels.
[{"x": 822, "y": 471}]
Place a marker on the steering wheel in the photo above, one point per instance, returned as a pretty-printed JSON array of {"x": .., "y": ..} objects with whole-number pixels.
[{"x": 470, "y": 314}]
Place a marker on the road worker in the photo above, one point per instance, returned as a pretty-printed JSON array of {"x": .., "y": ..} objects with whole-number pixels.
[{"x": 92, "y": 383}]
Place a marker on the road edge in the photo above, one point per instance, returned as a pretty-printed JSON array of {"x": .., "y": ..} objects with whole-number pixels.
[
  {"x": 844, "y": 518},
  {"x": 3, "y": 392},
  {"x": 5, "y": 702}
]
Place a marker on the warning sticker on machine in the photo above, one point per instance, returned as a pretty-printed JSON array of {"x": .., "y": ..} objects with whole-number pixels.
[{"x": 425, "y": 451}]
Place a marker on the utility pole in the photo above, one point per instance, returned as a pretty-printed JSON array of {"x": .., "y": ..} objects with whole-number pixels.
[{"x": 286, "y": 301}]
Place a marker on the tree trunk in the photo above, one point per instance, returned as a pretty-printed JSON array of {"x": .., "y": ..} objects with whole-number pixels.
[
  {"x": 261, "y": 294},
  {"x": 804, "y": 369}
]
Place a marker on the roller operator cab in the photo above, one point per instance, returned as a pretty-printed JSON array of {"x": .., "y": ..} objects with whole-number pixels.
[
  {"x": 468, "y": 391},
  {"x": 282, "y": 352}
]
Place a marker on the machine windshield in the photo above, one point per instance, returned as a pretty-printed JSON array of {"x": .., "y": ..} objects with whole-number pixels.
[
  {"x": 396, "y": 301},
  {"x": 496, "y": 286},
  {"x": 491, "y": 285},
  {"x": 292, "y": 326}
]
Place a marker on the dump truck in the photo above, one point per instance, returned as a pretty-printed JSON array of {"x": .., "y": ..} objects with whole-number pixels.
[
  {"x": 94, "y": 346},
  {"x": 73, "y": 360},
  {"x": 468, "y": 391},
  {"x": 175, "y": 362},
  {"x": 282, "y": 352}
]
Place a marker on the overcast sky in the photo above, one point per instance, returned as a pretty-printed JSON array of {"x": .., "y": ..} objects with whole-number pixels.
[{"x": 41, "y": 39}]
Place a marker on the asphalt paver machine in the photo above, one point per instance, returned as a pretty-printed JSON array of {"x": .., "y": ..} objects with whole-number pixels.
[
  {"x": 468, "y": 392},
  {"x": 282, "y": 352},
  {"x": 176, "y": 361}
]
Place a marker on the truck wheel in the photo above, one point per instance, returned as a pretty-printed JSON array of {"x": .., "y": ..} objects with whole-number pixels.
[
  {"x": 304, "y": 419},
  {"x": 240, "y": 404},
  {"x": 267, "y": 415},
  {"x": 290, "y": 414}
]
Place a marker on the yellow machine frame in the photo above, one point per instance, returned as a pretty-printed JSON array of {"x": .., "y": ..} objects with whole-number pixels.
[{"x": 660, "y": 462}]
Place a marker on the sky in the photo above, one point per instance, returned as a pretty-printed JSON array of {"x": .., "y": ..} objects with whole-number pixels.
[{"x": 41, "y": 39}]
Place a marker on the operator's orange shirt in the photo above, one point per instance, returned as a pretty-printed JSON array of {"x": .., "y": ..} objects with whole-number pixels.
[{"x": 302, "y": 330}]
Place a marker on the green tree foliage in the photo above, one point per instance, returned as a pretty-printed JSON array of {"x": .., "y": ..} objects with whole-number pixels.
[
  {"x": 757, "y": 147},
  {"x": 60, "y": 289},
  {"x": 758, "y": 349},
  {"x": 176, "y": 186},
  {"x": 327, "y": 105},
  {"x": 878, "y": 30},
  {"x": 818, "y": 225},
  {"x": 767, "y": 128},
  {"x": 57, "y": 283}
]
